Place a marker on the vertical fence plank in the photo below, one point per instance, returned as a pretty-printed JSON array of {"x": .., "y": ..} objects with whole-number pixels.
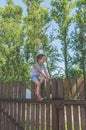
[
  {"x": 11, "y": 116},
  {"x": 23, "y": 90},
  {"x": 60, "y": 89},
  {"x": 69, "y": 117},
  {"x": 83, "y": 117},
  {"x": 48, "y": 90},
  {"x": 61, "y": 118},
  {"x": 76, "y": 117},
  {"x": 4, "y": 90},
  {"x": 54, "y": 118},
  {"x": 8, "y": 91},
  {"x": 28, "y": 116},
  {"x": 0, "y": 89},
  {"x": 8, "y": 112},
  {"x": 18, "y": 90},
  {"x": 80, "y": 86},
  {"x": 0, "y": 113},
  {"x": 2, "y": 120},
  {"x": 67, "y": 88},
  {"x": 15, "y": 113},
  {"x": 32, "y": 116},
  {"x": 23, "y": 115},
  {"x": 74, "y": 88},
  {"x": 47, "y": 116},
  {"x": 42, "y": 116},
  {"x": 11, "y": 90},
  {"x": 54, "y": 88},
  {"x": 37, "y": 117}
]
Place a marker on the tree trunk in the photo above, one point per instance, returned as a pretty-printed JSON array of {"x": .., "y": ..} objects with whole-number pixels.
[{"x": 65, "y": 57}]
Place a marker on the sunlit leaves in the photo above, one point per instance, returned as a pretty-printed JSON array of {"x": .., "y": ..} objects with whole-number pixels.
[{"x": 35, "y": 26}]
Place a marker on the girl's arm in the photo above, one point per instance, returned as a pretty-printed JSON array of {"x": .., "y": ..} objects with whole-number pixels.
[{"x": 47, "y": 74}]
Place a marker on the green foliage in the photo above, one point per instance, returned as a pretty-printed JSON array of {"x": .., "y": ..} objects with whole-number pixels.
[
  {"x": 78, "y": 37},
  {"x": 22, "y": 36},
  {"x": 75, "y": 72},
  {"x": 61, "y": 12},
  {"x": 11, "y": 12},
  {"x": 34, "y": 28},
  {"x": 12, "y": 68}
]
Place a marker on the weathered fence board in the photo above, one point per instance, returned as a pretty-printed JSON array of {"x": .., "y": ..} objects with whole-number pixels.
[
  {"x": 13, "y": 90},
  {"x": 43, "y": 116},
  {"x": 69, "y": 117},
  {"x": 83, "y": 117},
  {"x": 76, "y": 117}
]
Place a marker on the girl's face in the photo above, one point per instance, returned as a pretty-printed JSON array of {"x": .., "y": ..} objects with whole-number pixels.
[{"x": 42, "y": 60}]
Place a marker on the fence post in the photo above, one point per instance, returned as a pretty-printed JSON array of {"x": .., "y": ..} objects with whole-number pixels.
[
  {"x": 57, "y": 89},
  {"x": 54, "y": 89},
  {"x": 60, "y": 93},
  {"x": 48, "y": 90},
  {"x": 0, "y": 115}
]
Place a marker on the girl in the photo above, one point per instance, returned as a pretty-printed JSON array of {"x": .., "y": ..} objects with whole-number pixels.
[{"x": 38, "y": 76}]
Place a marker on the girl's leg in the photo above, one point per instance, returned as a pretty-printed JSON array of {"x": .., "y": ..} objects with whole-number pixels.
[
  {"x": 37, "y": 87},
  {"x": 42, "y": 79}
]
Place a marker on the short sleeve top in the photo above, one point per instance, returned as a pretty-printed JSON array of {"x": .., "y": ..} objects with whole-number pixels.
[{"x": 35, "y": 72}]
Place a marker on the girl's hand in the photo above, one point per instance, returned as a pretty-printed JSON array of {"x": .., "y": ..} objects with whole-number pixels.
[{"x": 48, "y": 79}]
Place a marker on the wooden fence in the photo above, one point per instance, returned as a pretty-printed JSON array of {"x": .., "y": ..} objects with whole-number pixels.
[
  {"x": 64, "y": 108},
  {"x": 26, "y": 114},
  {"x": 56, "y": 88},
  {"x": 13, "y": 90},
  {"x": 69, "y": 115},
  {"x": 64, "y": 88}
]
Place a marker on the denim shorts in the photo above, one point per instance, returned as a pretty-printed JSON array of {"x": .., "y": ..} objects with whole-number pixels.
[{"x": 35, "y": 77}]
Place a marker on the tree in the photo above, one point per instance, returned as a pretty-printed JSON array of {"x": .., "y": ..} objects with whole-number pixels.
[
  {"x": 11, "y": 39},
  {"x": 35, "y": 26},
  {"x": 61, "y": 12},
  {"x": 79, "y": 38}
]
